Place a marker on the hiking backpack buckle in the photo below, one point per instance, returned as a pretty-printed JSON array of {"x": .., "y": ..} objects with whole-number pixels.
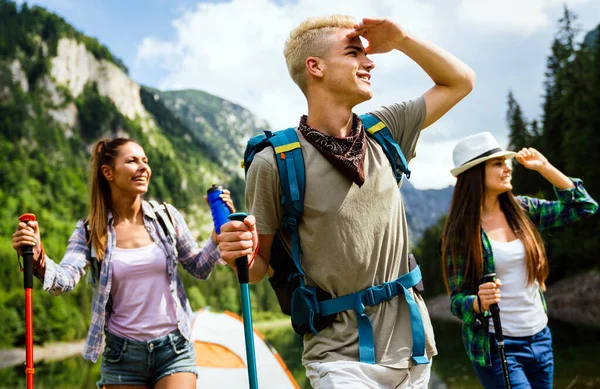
[
  {"x": 377, "y": 294},
  {"x": 290, "y": 223}
]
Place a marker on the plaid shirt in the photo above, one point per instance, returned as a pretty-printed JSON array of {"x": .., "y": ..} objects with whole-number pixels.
[
  {"x": 61, "y": 278},
  {"x": 573, "y": 204}
]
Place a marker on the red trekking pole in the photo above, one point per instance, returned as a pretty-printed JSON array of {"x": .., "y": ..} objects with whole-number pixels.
[{"x": 27, "y": 252}]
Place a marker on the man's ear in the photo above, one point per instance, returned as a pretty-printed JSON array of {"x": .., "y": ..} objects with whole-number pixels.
[
  {"x": 107, "y": 172},
  {"x": 315, "y": 66}
]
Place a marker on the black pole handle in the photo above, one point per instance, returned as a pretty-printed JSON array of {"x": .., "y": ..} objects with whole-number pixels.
[
  {"x": 242, "y": 262},
  {"x": 494, "y": 308},
  {"x": 27, "y": 253},
  {"x": 490, "y": 277}
]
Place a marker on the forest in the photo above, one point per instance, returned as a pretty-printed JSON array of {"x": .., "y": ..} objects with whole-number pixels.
[
  {"x": 43, "y": 168},
  {"x": 567, "y": 134}
]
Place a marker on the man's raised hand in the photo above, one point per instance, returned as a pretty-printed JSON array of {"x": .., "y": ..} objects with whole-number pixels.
[{"x": 382, "y": 35}]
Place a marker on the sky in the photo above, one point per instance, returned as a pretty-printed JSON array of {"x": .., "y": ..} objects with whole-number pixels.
[{"x": 234, "y": 49}]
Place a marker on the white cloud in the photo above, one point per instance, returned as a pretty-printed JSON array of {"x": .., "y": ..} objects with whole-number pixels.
[
  {"x": 431, "y": 167},
  {"x": 235, "y": 50},
  {"x": 523, "y": 17},
  {"x": 152, "y": 49}
]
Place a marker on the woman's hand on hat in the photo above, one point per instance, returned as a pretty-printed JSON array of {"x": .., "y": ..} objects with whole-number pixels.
[{"x": 531, "y": 159}]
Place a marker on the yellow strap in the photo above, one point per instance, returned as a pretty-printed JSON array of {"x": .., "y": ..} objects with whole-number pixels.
[
  {"x": 376, "y": 127},
  {"x": 286, "y": 148}
]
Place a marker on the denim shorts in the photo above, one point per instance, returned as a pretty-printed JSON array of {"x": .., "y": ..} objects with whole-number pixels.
[{"x": 131, "y": 362}]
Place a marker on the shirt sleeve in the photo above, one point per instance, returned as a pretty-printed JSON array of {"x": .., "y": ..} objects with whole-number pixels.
[
  {"x": 572, "y": 204},
  {"x": 461, "y": 298},
  {"x": 63, "y": 277},
  {"x": 199, "y": 262},
  {"x": 263, "y": 192},
  {"x": 405, "y": 121}
]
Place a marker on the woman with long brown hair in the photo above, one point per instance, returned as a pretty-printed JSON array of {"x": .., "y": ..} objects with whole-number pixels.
[
  {"x": 139, "y": 301},
  {"x": 489, "y": 230}
]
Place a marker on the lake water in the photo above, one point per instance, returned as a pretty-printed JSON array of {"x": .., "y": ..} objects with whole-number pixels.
[{"x": 576, "y": 352}]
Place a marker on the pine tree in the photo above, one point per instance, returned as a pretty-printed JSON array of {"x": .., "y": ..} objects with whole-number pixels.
[
  {"x": 535, "y": 131},
  {"x": 594, "y": 118},
  {"x": 571, "y": 143},
  {"x": 559, "y": 76},
  {"x": 518, "y": 137},
  {"x": 568, "y": 138}
]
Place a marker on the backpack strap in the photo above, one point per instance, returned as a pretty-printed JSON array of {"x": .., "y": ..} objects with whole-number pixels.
[
  {"x": 164, "y": 218},
  {"x": 373, "y": 296},
  {"x": 94, "y": 275},
  {"x": 377, "y": 130},
  {"x": 86, "y": 226},
  {"x": 254, "y": 146},
  {"x": 290, "y": 164}
]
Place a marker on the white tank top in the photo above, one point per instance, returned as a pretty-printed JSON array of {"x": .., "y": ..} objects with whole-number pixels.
[
  {"x": 143, "y": 306},
  {"x": 521, "y": 309}
]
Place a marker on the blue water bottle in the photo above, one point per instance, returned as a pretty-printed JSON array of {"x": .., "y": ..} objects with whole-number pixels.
[{"x": 218, "y": 208}]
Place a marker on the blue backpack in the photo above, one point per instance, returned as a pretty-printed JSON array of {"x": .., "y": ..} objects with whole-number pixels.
[{"x": 311, "y": 308}]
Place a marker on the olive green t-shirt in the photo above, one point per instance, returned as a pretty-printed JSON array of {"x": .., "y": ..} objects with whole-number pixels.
[{"x": 351, "y": 237}]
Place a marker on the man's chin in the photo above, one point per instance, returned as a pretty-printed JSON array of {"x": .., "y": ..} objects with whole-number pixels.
[{"x": 365, "y": 96}]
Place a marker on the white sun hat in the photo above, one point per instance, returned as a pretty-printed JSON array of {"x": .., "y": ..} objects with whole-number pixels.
[{"x": 475, "y": 149}]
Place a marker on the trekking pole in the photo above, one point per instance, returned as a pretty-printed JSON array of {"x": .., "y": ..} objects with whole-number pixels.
[
  {"x": 495, "y": 310},
  {"x": 27, "y": 253},
  {"x": 243, "y": 277}
]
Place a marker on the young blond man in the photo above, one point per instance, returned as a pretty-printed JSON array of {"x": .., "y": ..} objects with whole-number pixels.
[{"x": 353, "y": 231}]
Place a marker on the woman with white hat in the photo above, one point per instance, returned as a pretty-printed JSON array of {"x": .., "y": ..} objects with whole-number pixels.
[{"x": 490, "y": 230}]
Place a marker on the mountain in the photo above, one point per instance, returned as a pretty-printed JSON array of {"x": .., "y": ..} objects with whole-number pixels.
[
  {"x": 227, "y": 127},
  {"x": 591, "y": 38},
  {"x": 424, "y": 207},
  {"x": 59, "y": 92},
  {"x": 219, "y": 124}
]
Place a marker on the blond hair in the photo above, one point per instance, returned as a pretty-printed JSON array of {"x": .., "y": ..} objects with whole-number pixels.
[{"x": 308, "y": 40}]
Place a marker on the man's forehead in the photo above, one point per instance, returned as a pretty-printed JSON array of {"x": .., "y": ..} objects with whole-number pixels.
[{"x": 342, "y": 41}]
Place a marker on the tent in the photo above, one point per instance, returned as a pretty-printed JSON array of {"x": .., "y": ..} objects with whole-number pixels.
[{"x": 221, "y": 354}]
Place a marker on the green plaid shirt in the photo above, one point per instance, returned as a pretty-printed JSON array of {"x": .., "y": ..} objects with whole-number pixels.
[{"x": 572, "y": 204}]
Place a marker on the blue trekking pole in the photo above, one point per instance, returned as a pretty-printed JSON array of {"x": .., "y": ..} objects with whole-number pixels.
[{"x": 243, "y": 277}]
